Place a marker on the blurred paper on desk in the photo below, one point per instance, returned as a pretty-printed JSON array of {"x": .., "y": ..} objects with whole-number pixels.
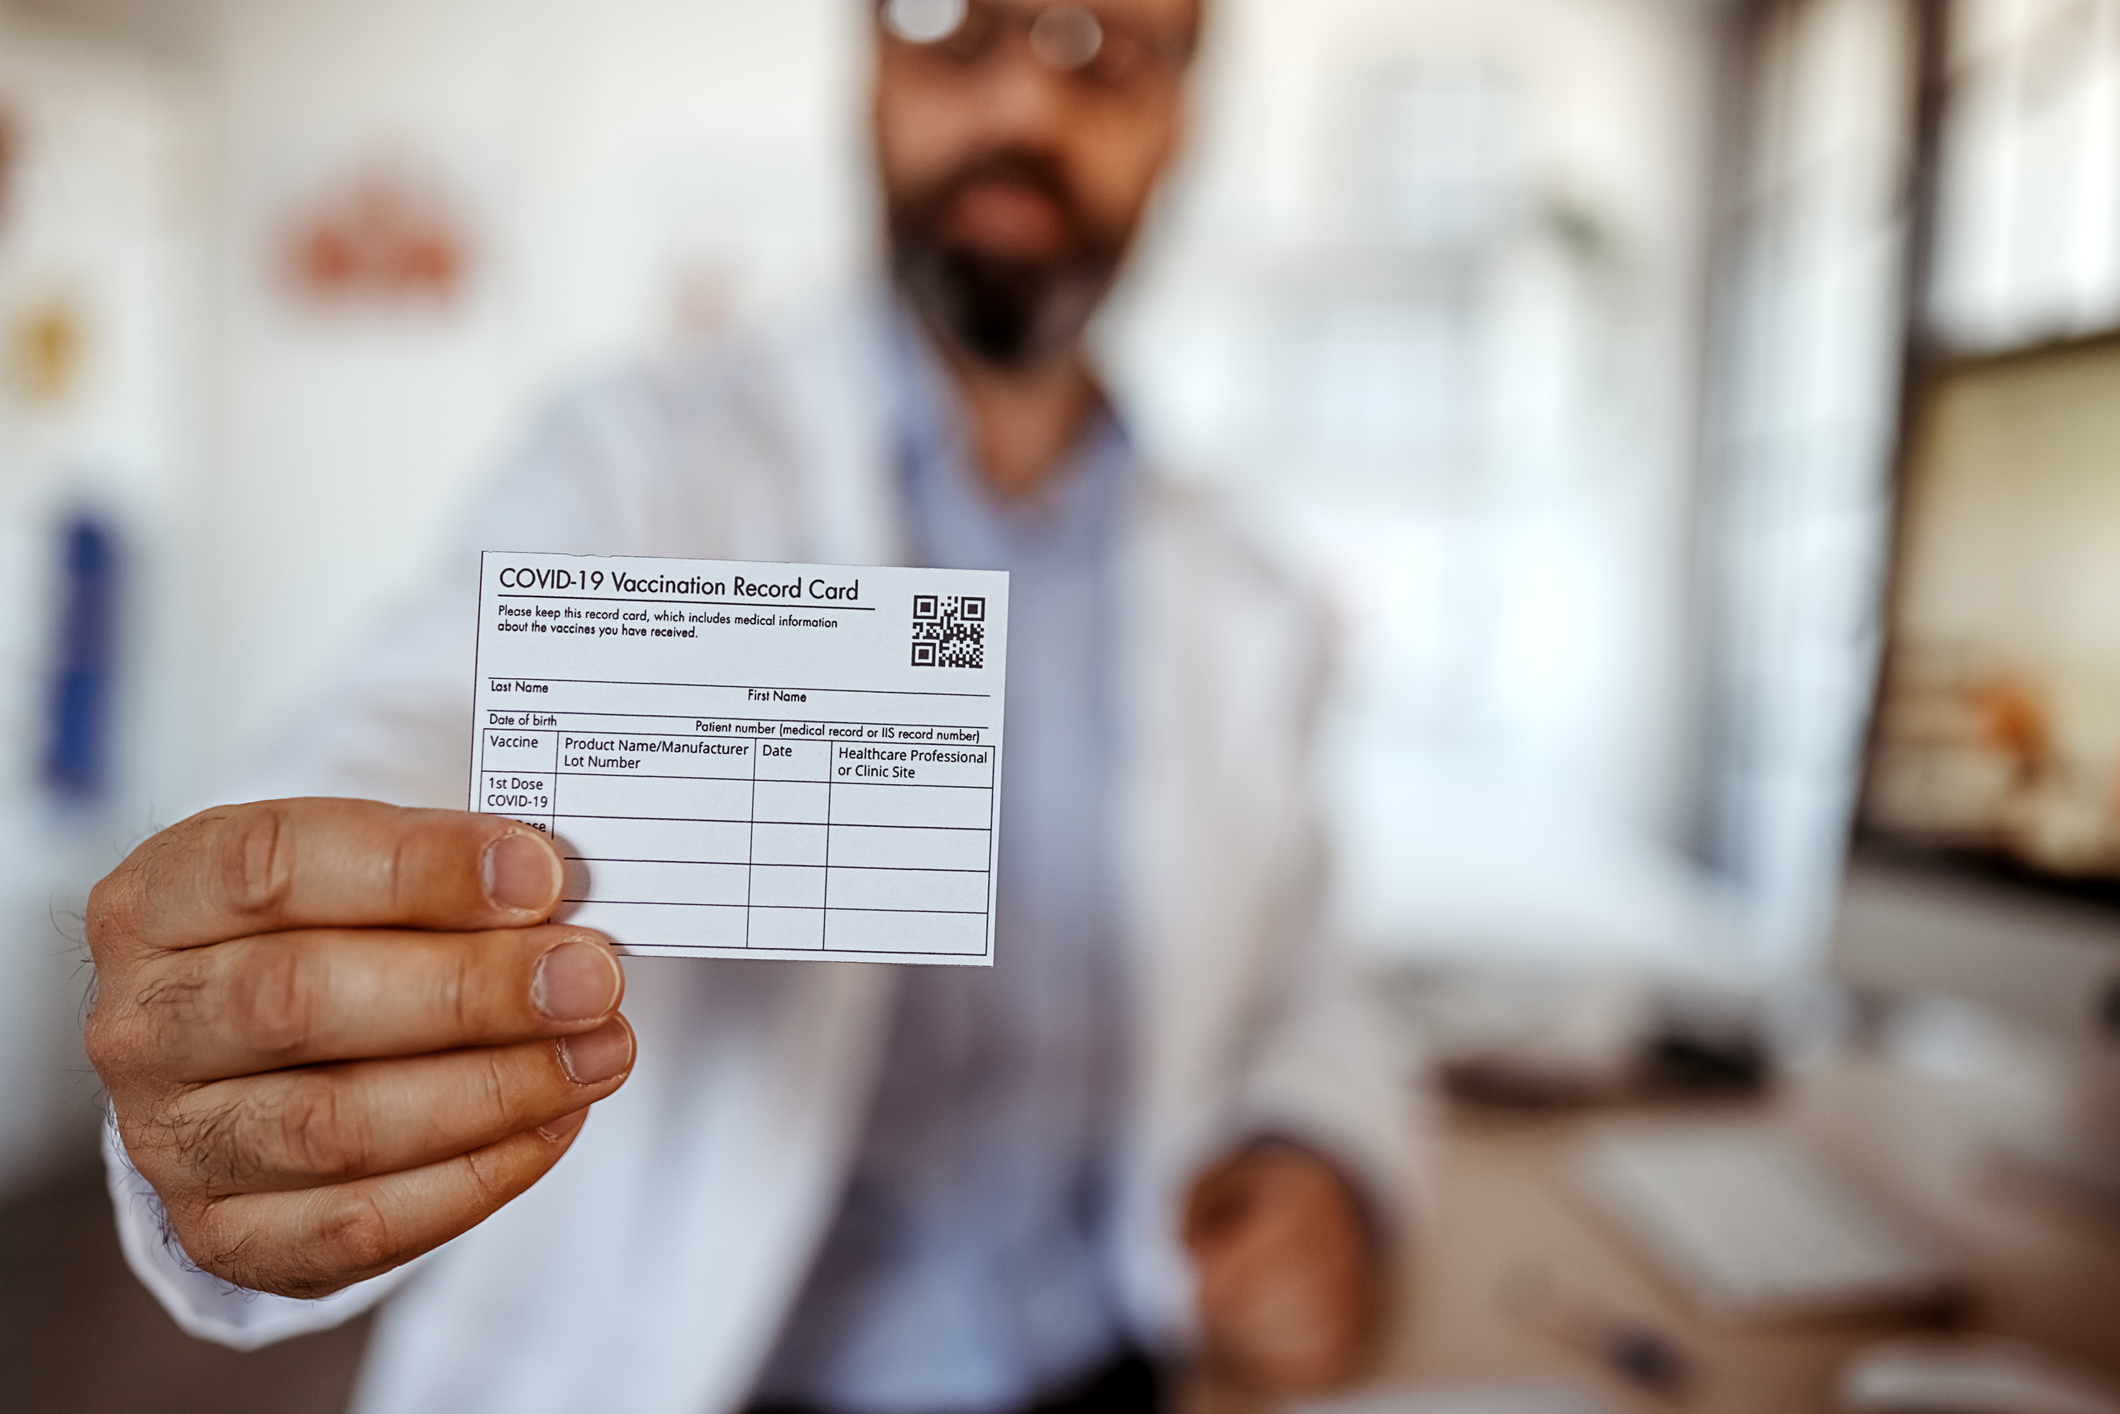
[
  {"x": 1752, "y": 1226},
  {"x": 1460, "y": 1399}
]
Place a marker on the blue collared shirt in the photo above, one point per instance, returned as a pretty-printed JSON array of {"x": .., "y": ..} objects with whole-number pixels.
[{"x": 968, "y": 1267}]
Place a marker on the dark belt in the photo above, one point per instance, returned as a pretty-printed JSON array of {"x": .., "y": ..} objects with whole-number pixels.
[{"x": 1129, "y": 1385}]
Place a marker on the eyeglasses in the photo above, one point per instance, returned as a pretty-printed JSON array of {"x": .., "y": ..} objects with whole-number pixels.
[{"x": 1067, "y": 39}]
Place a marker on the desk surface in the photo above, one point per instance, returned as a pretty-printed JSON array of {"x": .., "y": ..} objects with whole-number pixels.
[{"x": 2046, "y": 1268}]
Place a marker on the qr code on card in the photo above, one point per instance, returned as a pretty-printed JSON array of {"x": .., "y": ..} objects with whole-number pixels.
[{"x": 949, "y": 630}]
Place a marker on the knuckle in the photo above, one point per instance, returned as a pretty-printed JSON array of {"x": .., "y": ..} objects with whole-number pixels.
[
  {"x": 118, "y": 1044},
  {"x": 240, "y": 857},
  {"x": 211, "y": 1142},
  {"x": 316, "y": 1133},
  {"x": 113, "y": 912},
  {"x": 251, "y": 860},
  {"x": 464, "y": 985},
  {"x": 138, "y": 1029},
  {"x": 401, "y": 868},
  {"x": 486, "y": 1172},
  {"x": 207, "y": 1241},
  {"x": 352, "y": 1236},
  {"x": 500, "y": 1094},
  {"x": 270, "y": 1259},
  {"x": 259, "y": 1138},
  {"x": 105, "y": 1039},
  {"x": 174, "y": 995},
  {"x": 271, "y": 1004},
  {"x": 148, "y": 1137}
]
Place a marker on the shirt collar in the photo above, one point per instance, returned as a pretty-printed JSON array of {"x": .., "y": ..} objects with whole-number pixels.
[{"x": 937, "y": 463}]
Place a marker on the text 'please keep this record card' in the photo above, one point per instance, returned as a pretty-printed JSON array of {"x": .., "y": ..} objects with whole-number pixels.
[{"x": 751, "y": 760}]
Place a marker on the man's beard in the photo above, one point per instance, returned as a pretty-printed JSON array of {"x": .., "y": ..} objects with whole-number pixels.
[{"x": 1005, "y": 311}]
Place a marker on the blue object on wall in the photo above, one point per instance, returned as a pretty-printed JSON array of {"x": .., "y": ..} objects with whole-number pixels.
[{"x": 77, "y": 751}]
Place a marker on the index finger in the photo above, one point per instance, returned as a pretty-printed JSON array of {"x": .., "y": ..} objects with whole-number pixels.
[{"x": 276, "y": 865}]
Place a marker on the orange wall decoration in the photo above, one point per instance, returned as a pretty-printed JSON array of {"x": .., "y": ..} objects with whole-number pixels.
[
  {"x": 386, "y": 234},
  {"x": 46, "y": 345}
]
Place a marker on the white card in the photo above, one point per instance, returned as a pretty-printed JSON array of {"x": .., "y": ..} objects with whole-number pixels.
[{"x": 751, "y": 760}]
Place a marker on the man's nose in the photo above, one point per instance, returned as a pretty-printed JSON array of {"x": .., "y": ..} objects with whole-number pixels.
[{"x": 1025, "y": 101}]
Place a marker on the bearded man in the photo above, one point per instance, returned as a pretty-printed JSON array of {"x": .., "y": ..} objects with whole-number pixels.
[{"x": 346, "y": 1048}]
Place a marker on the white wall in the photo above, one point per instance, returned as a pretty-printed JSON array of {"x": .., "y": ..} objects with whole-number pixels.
[
  {"x": 607, "y": 153},
  {"x": 103, "y": 223}
]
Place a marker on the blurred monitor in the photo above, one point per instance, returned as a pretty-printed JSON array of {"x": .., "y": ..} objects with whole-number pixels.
[{"x": 1987, "y": 845}]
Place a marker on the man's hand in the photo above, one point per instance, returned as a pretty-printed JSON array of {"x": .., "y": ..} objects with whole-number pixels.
[
  {"x": 1291, "y": 1280},
  {"x": 337, "y": 1034}
]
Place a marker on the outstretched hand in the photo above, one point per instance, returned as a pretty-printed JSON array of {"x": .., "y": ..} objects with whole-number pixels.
[{"x": 337, "y": 1034}]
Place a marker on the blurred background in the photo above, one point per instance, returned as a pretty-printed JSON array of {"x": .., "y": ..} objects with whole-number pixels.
[{"x": 1650, "y": 379}]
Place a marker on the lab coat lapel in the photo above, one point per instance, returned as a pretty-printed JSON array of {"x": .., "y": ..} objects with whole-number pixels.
[
  {"x": 1160, "y": 866},
  {"x": 753, "y": 1080},
  {"x": 1211, "y": 674}
]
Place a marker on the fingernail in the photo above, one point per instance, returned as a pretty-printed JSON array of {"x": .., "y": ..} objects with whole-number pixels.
[
  {"x": 598, "y": 1056},
  {"x": 521, "y": 872},
  {"x": 564, "y": 1125},
  {"x": 575, "y": 981}
]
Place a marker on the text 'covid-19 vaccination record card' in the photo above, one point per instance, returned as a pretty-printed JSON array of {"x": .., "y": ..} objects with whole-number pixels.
[{"x": 751, "y": 760}]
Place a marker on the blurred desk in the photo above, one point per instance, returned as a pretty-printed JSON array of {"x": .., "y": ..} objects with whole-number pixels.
[{"x": 2046, "y": 1266}]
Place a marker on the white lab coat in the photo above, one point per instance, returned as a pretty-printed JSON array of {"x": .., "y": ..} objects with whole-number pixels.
[{"x": 651, "y": 1269}]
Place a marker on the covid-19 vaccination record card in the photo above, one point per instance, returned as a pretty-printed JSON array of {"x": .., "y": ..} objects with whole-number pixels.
[{"x": 751, "y": 760}]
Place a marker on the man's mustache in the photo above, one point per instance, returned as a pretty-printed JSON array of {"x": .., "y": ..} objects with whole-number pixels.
[
  {"x": 1007, "y": 310},
  {"x": 1027, "y": 168}
]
